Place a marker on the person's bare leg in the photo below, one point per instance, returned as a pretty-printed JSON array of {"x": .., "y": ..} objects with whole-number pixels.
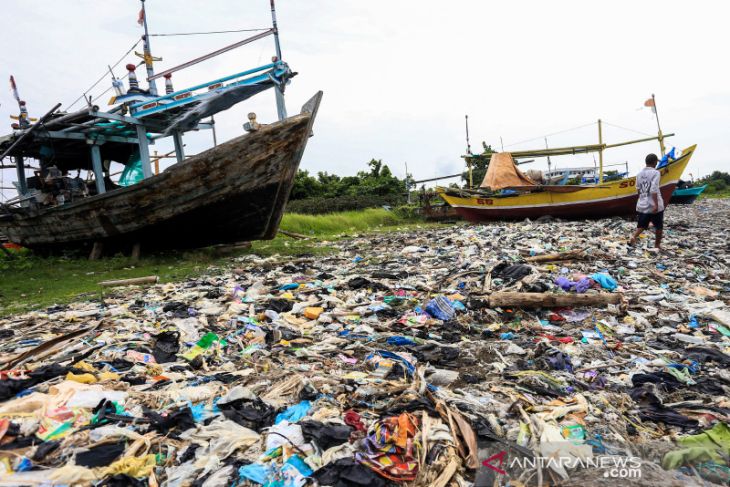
[
  {"x": 636, "y": 235},
  {"x": 658, "y": 239}
]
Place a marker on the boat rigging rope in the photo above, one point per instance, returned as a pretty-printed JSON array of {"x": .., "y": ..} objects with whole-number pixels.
[
  {"x": 86, "y": 92},
  {"x": 205, "y": 33},
  {"x": 120, "y": 79},
  {"x": 576, "y": 128},
  {"x": 83, "y": 95},
  {"x": 550, "y": 135},
  {"x": 626, "y": 128}
]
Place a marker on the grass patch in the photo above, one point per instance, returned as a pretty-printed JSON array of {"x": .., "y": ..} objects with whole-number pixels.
[
  {"x": 31, "y": 282},
  {"x": 718, "y": 194},
  {"x": 332, "y": 224},
  {"x": 35, "y": 282},
  {"x": 286, "y": 246}
]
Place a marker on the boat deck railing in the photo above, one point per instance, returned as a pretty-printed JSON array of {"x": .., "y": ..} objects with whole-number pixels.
[{"x": 184, "y": 97}]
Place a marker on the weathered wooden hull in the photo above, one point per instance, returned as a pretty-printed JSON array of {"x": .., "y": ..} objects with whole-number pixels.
[
  {"x": 615, "y": 198},
  {"x": 233, "y": 192}
]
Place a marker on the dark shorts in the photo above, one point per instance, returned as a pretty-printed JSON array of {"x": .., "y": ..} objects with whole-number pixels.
[{"x": 656, "y": 218}]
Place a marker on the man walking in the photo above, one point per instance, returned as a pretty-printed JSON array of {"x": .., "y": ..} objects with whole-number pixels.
[{"x": 650, "y": 207}]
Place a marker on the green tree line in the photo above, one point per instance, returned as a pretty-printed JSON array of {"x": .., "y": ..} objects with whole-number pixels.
[
  {"x": 717, "y": 182},
  {"x": 326, "y": 192}
]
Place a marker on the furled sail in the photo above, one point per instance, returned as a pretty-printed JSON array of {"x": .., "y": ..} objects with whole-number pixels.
[{"x": 503, "y": 173}]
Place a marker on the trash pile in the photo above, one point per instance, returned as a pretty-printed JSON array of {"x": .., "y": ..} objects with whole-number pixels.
[{"x": 431, "y": 357}]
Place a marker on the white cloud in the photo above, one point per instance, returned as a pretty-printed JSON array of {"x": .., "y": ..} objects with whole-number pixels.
[{"x": 399, "y": 76}]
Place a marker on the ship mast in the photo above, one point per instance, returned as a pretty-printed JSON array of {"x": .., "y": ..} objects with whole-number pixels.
[
  {"x": 468, "y": 151},
  {"x": 279, "y": 90},
  {"x": 600, "y": 152},
  {"x": 148, "y": 53},
  {"x": 660, "y": 136}
]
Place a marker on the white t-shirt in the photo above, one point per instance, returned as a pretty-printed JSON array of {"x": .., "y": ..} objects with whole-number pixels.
[{"x": 647, "y": 184}]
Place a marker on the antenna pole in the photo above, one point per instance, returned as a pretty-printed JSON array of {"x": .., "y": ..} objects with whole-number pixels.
[
  {"x": 278, "y": 90},
  {"x": 148, "y": 53},
  {"x": 661, "y": 136},
  {"x": 468, "y": 146},
  {"x": 212, "y": 125},
  {"x": 600, "y": 152},
  {"x": 276, "y": 30},
  {"x": 408, "y": 185},
  {"x": 468, "y": 151}
]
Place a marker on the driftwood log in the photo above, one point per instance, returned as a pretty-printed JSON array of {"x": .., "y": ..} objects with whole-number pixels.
[
  {"x": 295, "y": 235},
  {"x": 49, "y": 345},
  {"x": 549, "y": 300},
  {"x": 130, "y": 282},
  {"x": 571, "y": 255}
]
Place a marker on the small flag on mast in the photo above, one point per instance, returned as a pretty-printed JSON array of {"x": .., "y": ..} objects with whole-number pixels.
[
  {"x": 650, "y": 103},
  {"x": 140, "y": 17},
  {"x": 14, "y": 89}
]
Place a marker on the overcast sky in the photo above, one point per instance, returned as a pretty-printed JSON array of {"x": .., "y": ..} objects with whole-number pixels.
[{"x": 399, "y": 76}]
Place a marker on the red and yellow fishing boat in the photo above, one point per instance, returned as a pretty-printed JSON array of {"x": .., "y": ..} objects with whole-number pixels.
[
  {"x": 507, "y": 193},
  {"x": 526, "y": 199}
]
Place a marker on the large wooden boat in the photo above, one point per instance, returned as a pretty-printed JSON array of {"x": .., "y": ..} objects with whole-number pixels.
[
  {"x": 233, "y": 192},
  {"x": 230, "y": 193},
  {"x": 615, "y": 198}
]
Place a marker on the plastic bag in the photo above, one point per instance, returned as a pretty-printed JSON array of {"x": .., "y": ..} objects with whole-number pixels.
[{"x": 132, "y": 173}]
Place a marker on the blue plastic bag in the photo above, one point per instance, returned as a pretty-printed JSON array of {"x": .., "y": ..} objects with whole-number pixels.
[
  {"x": 440, "y": 308},
  {"x": 606, "y": 281},
  {"x": 132, "y": 173},
  {"x": 667, "y": 158},
  {"x": 294, "y": 472},
  {"x": 256, "y": 472},
  {"x": 399, "y": 341},
  {"x": 294, "y": 413},
  {"x": 410, "y": 368}
]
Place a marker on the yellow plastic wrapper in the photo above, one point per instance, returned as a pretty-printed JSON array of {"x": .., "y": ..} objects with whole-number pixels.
[
  {"x": 82, "y": 378},
  {"x": 313, "y": 312}
]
